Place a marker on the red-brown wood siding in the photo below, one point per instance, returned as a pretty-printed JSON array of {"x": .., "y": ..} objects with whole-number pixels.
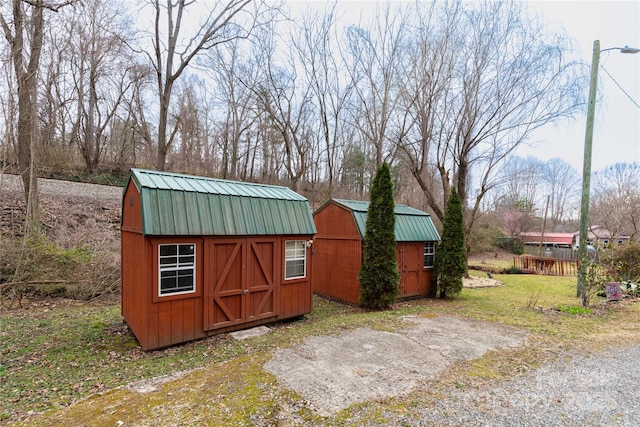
[
  {"x": 131, "y": 211},
  {"x": 135, "y": 277},
  {"x": 336, "y": 264},
  {"x": 295, "y": 295},
  {"x": 337, "y": 254},
  {"x": 336, "y": 222},
  {"x": 175, "y": 318}
]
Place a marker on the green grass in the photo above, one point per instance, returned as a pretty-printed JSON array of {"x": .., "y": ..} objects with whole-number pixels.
[
  {"x": 52, "y": 356},
  {"x": 530, "y": 302},
  {"x": 491, "y": 264}
]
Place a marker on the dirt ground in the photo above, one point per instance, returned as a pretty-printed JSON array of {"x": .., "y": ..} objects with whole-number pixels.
[{"x": 71, "y": 212}]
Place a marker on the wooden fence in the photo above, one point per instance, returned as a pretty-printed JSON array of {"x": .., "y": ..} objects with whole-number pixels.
[
  {"x": 551, "y": 252},
  {"x": 546, "y": 265}
]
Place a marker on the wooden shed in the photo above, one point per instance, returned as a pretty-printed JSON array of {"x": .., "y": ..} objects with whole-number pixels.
[
  {"x": 202, "y": 256},
  {"x": 337, "y": 250}
]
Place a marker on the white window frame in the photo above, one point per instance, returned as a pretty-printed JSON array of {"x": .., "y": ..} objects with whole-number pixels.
[
  {"x": 432, "y": 247},
  {"x": 295, "y": 256},
  {"x": 177, "y": 266}
]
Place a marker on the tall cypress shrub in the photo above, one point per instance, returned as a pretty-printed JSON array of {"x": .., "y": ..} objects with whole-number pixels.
[
  {"x": 379, "y": 276},
  {"x": 450, "y": 260}
]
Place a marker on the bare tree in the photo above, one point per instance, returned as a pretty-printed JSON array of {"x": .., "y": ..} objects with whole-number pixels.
[
  {"x": 101, "y": 65},
  {"x": 314, "y": 41},
  {"x": 562, "y": 183},
  {"x": 56, "y": 98},
  {"x": 507, "y": 78},
  {"x": 25, "y": 36},
  {"x": 520, "y": 183},
  {"x": 521, "y": 193},
  {"x": 190, "y": 129},
  {"x": 285, "y": 98},
  {"x": 374, "y": 57},
  {"x": 235, "y": 73},
  {"x": 615, "y": 203},
  {"x": 174, "y": 51},
  {"x": 427, "y": 101}
]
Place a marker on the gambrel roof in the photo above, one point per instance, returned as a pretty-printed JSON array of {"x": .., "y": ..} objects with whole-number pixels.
[
  {"x": 412, "y": 225},
  {"x": 186, "y": 205}
]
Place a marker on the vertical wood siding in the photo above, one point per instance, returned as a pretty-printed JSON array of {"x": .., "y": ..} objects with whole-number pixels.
[
  {"x": 176, "y": 318},
  {"x": 135, "y": 294},
  {"x": 131, "y": 209},
  {"x": 294, "y": 296},
  {"x": 337, "y": 254}
]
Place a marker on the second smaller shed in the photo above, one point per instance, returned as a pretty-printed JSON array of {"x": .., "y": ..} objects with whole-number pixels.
[{"x": 338, "y": 245}]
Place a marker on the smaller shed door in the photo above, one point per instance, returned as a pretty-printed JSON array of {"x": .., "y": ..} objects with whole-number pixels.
[
  {"x": 410, "y": 263},
  {"x": 240, "y": 278}
]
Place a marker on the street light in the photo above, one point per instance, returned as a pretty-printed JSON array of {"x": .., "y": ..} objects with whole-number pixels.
[{"x": 586, "y": 168}]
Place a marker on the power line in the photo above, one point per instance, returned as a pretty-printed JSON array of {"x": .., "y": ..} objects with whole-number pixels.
[{"x": 621, "y": 88}]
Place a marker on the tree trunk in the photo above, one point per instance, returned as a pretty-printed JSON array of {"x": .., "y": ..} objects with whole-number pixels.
[{"x": 27, "y": 78}]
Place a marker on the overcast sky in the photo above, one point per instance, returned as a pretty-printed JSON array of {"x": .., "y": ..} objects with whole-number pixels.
[{"x": 616, "y": 136}]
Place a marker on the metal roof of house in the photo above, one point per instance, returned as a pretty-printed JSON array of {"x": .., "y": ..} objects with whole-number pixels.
[
  {"x": 185, "y": 205},
  {"x": 412, "y": 225}
]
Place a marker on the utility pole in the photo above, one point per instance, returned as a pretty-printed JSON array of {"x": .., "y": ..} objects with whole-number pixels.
[
  {"x": 586, "y": 170},
  {"x": 544, "y": 225}
]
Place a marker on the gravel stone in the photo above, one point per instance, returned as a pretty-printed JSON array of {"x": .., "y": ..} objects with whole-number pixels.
[
  {"x": 599, "y": 389},
  {"x": 64, "y": 189}
]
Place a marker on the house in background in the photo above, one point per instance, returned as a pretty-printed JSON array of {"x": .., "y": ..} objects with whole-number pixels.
[
  {"x": 338, "y": 250},
  {"x": 600, "y": 236},
  {"x": 202, "y": 256},
  {"x": 547, "y": 239},
  {"x": 555, "y": 245}
]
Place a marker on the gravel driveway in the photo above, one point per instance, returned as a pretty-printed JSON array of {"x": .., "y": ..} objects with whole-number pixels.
[{"x": 597, "y": 390}]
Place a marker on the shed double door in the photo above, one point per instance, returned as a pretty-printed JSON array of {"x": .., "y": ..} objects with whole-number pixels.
[{"x": 240, "y": 281}]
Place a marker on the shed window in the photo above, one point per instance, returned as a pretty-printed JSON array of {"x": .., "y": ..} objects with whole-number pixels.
[
  {"x": 295, "y": 259},
  {"x": 177, "y": 267},
  {"x": 429, "y": 253}
]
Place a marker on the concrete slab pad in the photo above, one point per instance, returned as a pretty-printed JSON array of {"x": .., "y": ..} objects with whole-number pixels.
[
  {"x": 334, "y": 372},
  {"x": 250, "y": 333}
]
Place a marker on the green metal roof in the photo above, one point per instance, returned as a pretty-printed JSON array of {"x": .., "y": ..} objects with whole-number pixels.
[
  {"x": 412, "y": 225},
  {"x": 185, "y": 205}
]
